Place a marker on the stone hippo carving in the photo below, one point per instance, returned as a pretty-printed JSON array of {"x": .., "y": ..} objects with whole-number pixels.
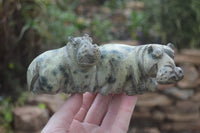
[
  {"x": 67, "y": 69},
  {"x": 81, "y": 66}
]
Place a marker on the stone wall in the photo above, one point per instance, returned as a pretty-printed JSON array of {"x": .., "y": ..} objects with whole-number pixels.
[{"x": 34, "y": 116}]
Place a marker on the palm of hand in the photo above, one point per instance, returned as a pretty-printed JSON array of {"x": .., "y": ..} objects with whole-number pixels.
[{"x": 90, "y": 113}]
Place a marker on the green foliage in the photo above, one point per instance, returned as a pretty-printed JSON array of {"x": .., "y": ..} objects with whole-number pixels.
[
  {"x": 6, "y": 113},
  {"x": 22, "y": 99},
  {"x": 176, "y": 21},
  {"x": 56, "y": 23},
  {"x": 138, "y": 25},
  {"x": 64, "y": 96},
  {"x": 11, "y": 66},
  {"x": 115, "y": 4},
  {"x": 6, "y": 107},
  {"x": 101, "y": 29},
  {"x": 52, "y": 24},
  {"x": 42, "y": 106},
  {"x": 17, "y": 28}
]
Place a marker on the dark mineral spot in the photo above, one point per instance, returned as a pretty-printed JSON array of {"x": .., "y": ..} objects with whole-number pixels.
[
  {"x": 85, "y": 86},
  {"x": 95, "y": 88},
  {"x": 74, "y": 72},
  {"x": 54, "y": 72},
  {"x": 66, "y": 75},
  {"x": 102, "y": 56},
  {"x": 86, "y": 76},
  {"x": 49, "y": 87},
  {"x": 41, "y": 88},
  {"x": 111, "y": 79},
  {"x": 113, "y": 59},
  {"x": 174, "y": 77},
  {"x": 128, "y": 77},
  {"x": 43, "y": 81},
  {"x": 61, "y": 68},
  {"x": 118, "y": 57},
  {"x": 66, "y": 80}
]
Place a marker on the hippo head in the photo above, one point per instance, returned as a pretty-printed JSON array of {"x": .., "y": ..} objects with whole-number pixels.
[
  {"x": 161, "y": 65},
  {"x": 86, "y": 53}
]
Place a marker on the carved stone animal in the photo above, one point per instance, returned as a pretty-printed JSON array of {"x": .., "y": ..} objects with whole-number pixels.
[
  {"x": 67, "y": 69},
  {"x": 135, "y": 69},
  {"x": 108, "y": 69}
]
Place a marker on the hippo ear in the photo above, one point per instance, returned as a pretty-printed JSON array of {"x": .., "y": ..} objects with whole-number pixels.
[
  {"x": 88, "y": 37},
  {"x": 78, "y": 41},
  {"x": 150, "y": 49},
  {"x": 171, "y": 45},
  {"x": 70, "y": 39},
  {"x": 73, "y": 41},
  {"x": 155, "y": 52}
]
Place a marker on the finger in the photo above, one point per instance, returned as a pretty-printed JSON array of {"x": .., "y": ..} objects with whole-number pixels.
[
  {"x": 123, "y": 117},
  {"x": 61, "y": 120},
  {"x": 98, "y": 109},
  {"x": 112, "y": 112},
  {"x": 88, "y": 98}
]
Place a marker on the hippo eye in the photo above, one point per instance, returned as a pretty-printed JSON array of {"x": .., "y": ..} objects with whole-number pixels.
[
  {"x": 75, "y": 45},
  {"x": 78, "y": 41},
  {"x": 169, "y": 66}
]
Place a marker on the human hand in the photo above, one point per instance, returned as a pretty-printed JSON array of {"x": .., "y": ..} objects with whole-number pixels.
[{"x": 93, "y": 113}]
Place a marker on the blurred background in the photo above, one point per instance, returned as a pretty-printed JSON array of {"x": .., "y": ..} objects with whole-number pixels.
[{"x": 30, "y": 27}]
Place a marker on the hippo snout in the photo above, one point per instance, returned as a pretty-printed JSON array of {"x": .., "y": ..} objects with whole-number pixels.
[
  {"x": 168, "y": 75},
  {"x": 179, "y": 73},
  {"x": 88, "y": 54}
]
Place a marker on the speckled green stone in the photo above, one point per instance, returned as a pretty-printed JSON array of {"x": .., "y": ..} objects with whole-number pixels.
[{"x": 81, "y": 66}]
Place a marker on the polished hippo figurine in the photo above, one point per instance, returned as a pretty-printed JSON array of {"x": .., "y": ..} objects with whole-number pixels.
[{"x": 81, "y": 66}]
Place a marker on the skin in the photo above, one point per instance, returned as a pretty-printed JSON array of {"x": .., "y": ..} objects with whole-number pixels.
[{"x": 93, "y": 113}]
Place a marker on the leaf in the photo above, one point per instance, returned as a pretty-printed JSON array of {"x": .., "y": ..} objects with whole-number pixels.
[
  {"x": 11, "y": 65},
  {"x": 8, "y": 116},
  {"x": 25, "y": 28},
  {"x": 42, "y": 106}
]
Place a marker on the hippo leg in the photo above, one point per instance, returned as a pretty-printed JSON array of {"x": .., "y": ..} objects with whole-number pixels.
[{"x": 151, "y": 84}]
